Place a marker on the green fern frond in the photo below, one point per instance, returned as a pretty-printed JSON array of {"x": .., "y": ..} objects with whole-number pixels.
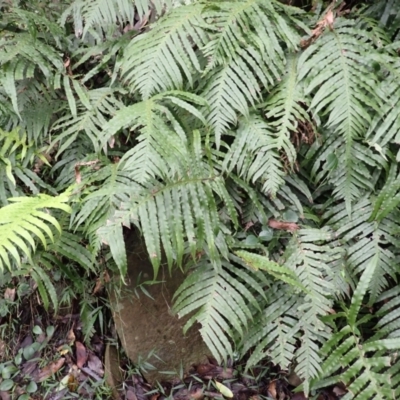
[
  {"x": 286, "y": 109},
  {"x": 273, "y": 332},
  {"x": 364, "y": 240},
  {"x": 221, "y": 299},
  {"x": 309, "y": 255},
  {"x": 258, "y": 262},
  {"x": 389, "y": 197},
  {"x": 45, "y": 287},
  {"x": 23, "y": 221},
  {"x": 98, "y": 13},
  {"x": 261, "y": 26},
  {"x": 162, "y": 140},
  {"x": 346, "y": 166},
  {"x": 254, "y": 155},
  {"x": 362, "y": 367},
  {"x": 345, "y": 92},
  {"x": 162, "y": 58},
  {"x": 92, "y": 111}
]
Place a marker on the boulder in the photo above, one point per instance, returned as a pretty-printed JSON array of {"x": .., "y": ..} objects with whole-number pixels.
[{"x": 148, "y": 329}]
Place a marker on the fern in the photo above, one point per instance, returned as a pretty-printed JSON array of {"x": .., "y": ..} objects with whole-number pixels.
[
  {"x": 222, "y": 301},
  {"x": 160, "y": 59},
  {"x": 255, "y": 139},
  {"x": 23, "y": 221},
  {"x": 366, "y": 372},
  {"x": 345, "y": 91}
]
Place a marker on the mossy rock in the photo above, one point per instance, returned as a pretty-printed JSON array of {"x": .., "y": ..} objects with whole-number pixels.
[{"x": 149, "y": 331}]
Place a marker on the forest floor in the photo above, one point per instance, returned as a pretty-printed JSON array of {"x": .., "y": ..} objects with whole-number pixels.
[{"x": 45, "y": 356}]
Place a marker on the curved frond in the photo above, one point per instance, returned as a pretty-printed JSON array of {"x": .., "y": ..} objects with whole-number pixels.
[
  {"x": 219, "y": 296},
  {"x": 23, "y": 221},
  {"x": 162, "y": 58}
]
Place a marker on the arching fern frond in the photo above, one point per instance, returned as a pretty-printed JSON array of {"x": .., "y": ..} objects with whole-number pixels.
[
  {"x": 273, "y": 332},
  {"x": 219, "y": 293},
  {"x": 245, "y": 50},
  {"x": 309, "y": 255},
  {"x": 162, "y": 139},
  {"x": 263, "y": 26},
  {"x": 23, "y": 221},
  {"x": 346, "y": 166},
  {"x": 162, "y": 58},
  {"x": 286, "y": 109}
]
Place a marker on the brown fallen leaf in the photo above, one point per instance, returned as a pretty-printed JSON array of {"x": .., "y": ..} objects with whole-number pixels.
[
  {"x": 130, "y": 395},
  {"x": 71, "y": 336},
  {"x": 78, "y": 178},
  {"x": 272, "y": 390},
  {"x": 282, "y": 225},
  {"x": 81, "y": 354},
  {"x": 95, "y": 364},
  {"x": 9, "y": 294},
  {"x": 49, "y": 370},
  {"x": 339, "y": 390}
]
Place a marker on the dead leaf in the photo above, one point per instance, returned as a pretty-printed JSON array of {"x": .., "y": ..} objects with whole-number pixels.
[
  {"x": 78, "y": 178},
  {"x": 90, "y": 373},
  {"x": 67, "y": 62},
  {"x": 272, "y": 390},
  {"x": 49, "y": 370},
  {"x": 329, "y": 19},
  {"x": 197, "y": 394},
  {"x": 9, "y": 294},
  {"x": 339, "y": 390},
  {"x": 130, "y": 395},
  {"x": 95, "y": 364},
  {"x": 81, "y": 354},
  {"x": 71, "y": 336},
  {"x": 294, "y": 380},
  {"x": 282, "y": 225},
  {"x": 5, "y": 396},
  {"x": 98, "y": 286}
]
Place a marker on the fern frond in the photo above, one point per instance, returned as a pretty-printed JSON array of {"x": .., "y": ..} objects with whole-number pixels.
[
  {"x": 345, "y": 92},
  {"x": 258, "y": 262},
  {"x": 364, "y": 240},
  {"x": 98, "y": 14},
  {"x": 254, "y": 155},
  {"x": 162, "y": 58},
  {"x": 162, "y": 140},
  {"x": 23, "y": 221},
  {"x": 362, "y": 367},
  {"x": 346, "y": 166},
  {"x": 286, "y": 108},
  {"x": 221, "y": 299},
  {"x": 88, "y": 115},
  {"x": 273, "y": 332},
  {"x": 309, "y": 255},
  {"x": 261, "y": 26}
]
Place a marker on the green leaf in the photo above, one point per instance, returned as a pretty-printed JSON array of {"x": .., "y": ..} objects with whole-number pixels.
[{"x": 6, "y": 385}]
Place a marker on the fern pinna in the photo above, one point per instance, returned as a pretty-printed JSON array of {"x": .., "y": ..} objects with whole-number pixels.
[{"x": 253, "y": 143}]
